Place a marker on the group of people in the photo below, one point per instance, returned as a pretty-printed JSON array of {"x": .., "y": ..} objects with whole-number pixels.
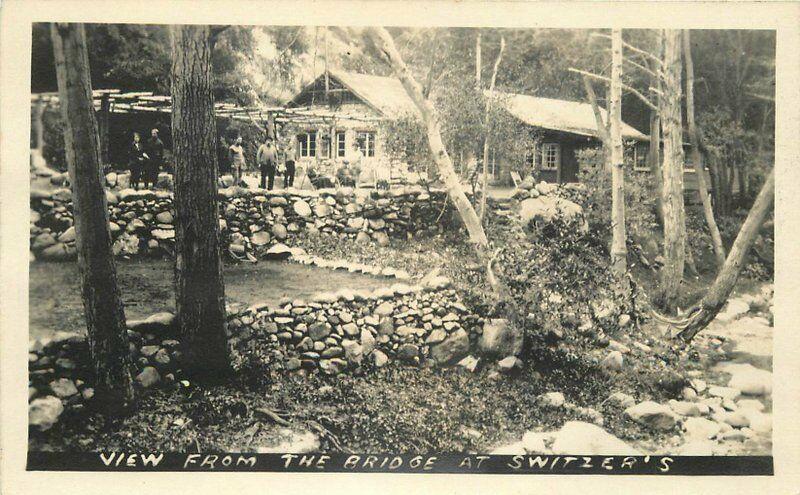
[
  {"x": 145, "y": 160},
  {"x": 270, "y": 159}
]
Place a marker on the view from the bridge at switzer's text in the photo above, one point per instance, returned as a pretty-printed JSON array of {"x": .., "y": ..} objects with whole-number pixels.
[{"x": 300, "y": 239}]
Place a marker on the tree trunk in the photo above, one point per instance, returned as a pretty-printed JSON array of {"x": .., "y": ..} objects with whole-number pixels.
[
  {"x": 619, "y": 252},
  {"x": 384, "y": 43},
  {"x": 706, "y": 310},
  {"x": 199, "y": 288},
  {"x": 654, "y": 152},
  {"x": 102, "y": 121},
  {"x": 486, "y": 138},
  {"x": 699, "y": 166},
  {"x": 105, "y": 317},
  {"x": 478, "y": 60},
  {"x": 38, "y": 125},
  {"x": 672, "y": 172}
]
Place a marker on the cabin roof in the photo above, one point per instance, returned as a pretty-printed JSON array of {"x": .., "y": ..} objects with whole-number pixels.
[
  {"x": 387, "y": 96},
  {"x": 559, "y": 115},
  {"x": 384, "y": 94}
]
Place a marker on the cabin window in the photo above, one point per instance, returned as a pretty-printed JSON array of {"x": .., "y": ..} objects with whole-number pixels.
[
  {"x": 366, "y": 142},
  {"x": 551, "y": 156},
  {"x": 308, "y": 144},
  {"x": 341, "y": 149},
  {"x": 533, "y": 157}
]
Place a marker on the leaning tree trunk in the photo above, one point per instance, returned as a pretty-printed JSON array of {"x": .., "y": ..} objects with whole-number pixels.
[
  {"x": 672, "y": 173},
  {"x": 105, "y": 317},
  {"x": 199, "y": 289},
  {"x": 694, "y": 136},
  {"x": 619, "y": 252},
  {"x": 383, "y": 41},
  {"x": 385, "y": 45},
  {"x": 706, "y": 310}
]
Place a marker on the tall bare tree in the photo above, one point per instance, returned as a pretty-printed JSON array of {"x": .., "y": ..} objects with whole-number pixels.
[
  {"x": 199, "y": 287},
  {"x": 105, "y": 317},
  {"x": 700, "y": 315},
  {"x": 672, "y": 172},
  {"x": 694, "y": 136},
  {"x": 487, "y": 137},
  {"x": 619, "y": 252}
]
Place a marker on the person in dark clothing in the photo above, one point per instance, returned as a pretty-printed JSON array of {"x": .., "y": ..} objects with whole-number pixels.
[
  {"x": 223, "y": 157},
  {"x": 291, "y": 157},
  {"x": 267, "y": 163},
  {"x": 136, "y": 160},
  {"x": 155, "y": 152}
]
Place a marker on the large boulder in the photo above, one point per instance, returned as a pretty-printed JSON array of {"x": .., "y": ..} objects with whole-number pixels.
[
  {"x": 578, "y": 437},
  {"x": 68, "y": 235},
  {"x": 747, "y": 378},
  {"x": 535, "y": 212},
  {"x": 57, "y": 252},
  {"x": 44, "y": 412},
  {"x": 500, "y": 338},
  {"x": 161, "y": 324},
  {"x": 278, "y": 252},
  {"x": 43, "y": 241},
  {"x": 452, "y": 349},
  {"x": 652, "y": 414}
]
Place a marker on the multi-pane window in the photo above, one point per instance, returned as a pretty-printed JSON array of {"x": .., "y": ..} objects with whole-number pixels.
[
  {"x": 551, "y": 156},
  {"x": 366, "y": 142},
  {"x": 341, "y": 149},
  {"x": 308, "y": 144},
  {"x": 533, "y": 157}
]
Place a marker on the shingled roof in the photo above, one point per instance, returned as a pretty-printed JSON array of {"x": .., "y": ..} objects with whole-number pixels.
[
  {"x": 387, "y": 96},
  {"x": 384, "y": 94},
  {"x": 559, "y": 115}
]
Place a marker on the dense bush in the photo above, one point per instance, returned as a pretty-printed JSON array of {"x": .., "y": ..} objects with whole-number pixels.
[
  {"x": 640, "y": 217},
  {"x": 560, "y": 282}
]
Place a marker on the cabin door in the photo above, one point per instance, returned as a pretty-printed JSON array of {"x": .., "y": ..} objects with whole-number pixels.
[{"x": 569, "y": 164}]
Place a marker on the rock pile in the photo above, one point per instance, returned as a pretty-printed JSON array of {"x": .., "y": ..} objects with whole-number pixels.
[
  {"x": 335, "y": 332},
  {"x": 253, "y": 221}
]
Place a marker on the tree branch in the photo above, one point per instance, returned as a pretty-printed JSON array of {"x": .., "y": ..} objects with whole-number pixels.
[
  {"x": 598, "y": 117},
  {"x": 632, "y": 48},
  {"x": 625, "y": 87}
]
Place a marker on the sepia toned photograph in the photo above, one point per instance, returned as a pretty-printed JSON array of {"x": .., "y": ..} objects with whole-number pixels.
[{"x": 371, "y": 247}]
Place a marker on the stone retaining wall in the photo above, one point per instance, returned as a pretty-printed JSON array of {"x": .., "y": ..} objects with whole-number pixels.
[
  {"x": 417, "y": 325},
  {"x": 252, "y": 221}
]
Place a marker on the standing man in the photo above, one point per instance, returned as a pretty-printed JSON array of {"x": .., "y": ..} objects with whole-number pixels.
[
  {"x": 136, "y": 160},
  {"x": 155, "y": 151},
  {"x": 291, "y": 159},
  {"x": 267, "y": 162},
  {"x": 236, "y": 154},
  {"x": 223, "y": 157}
]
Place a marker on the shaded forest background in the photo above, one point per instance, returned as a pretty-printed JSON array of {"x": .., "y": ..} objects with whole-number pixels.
[{"x": 734, "y": 72}]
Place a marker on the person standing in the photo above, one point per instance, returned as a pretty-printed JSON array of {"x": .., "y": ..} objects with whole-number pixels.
[
  {"x": 267, "y": 161},
  {"x": 356, "y": 163},
  {"x": 291, "y": 160},
  {"x": 136, "y": 160},
  {"x": 223, "y": 157},
  {"x": 236, "y": 154},
  {"x": 155, "y": 153}
]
